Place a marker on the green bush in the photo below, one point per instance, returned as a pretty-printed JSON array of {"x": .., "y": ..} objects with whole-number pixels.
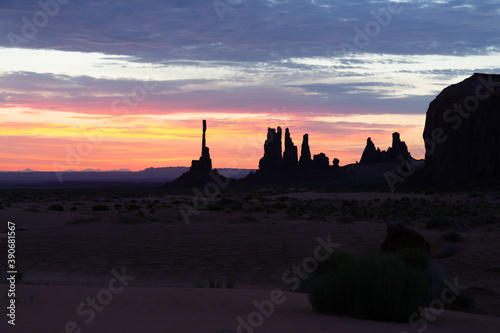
[
  {"x": 100, "y": 208},
  {"x": 56, "y": 207},
  {"x": 373, "y": 288}
]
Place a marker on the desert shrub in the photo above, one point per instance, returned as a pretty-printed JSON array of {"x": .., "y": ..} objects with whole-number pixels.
[
  {"x": 56, "y": 207},
  {"x": 133, "y": 206},
  {"x": 373, "y": 288},
  {"x": 214, "y": 207},
  {"x": 415, "y": 258},
  {"x": 73, "y": 208},
  {"x": 280, "y": 205},
  {"x": 453, "y": 236},
  {"x": 345, "y": 219},
  {"x": 237, "y": 205},
  {"x": 230, "y": 284},
  {"x": 100, "y": 208},
  {"x": 118, "y": 206}
]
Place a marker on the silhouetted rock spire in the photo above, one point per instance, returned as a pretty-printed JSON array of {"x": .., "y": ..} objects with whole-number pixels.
[
  {"x": 201, "y": 172},
  {"x": 305, "y": 153},
  {"x": 271, "y": 161},
  {"x": 205, "y": 162},
  {"x": 370, "y": 153},
  {"x": 290, "y": 155}
]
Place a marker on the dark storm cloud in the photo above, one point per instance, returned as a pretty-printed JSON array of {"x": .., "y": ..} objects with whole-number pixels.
[{"x": 255, "y": 30}]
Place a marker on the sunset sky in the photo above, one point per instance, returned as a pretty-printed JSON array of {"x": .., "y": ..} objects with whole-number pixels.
[{"x": 125, "y": 84}]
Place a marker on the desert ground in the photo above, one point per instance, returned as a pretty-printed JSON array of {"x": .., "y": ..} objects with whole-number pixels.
[{"x": 203, "y": 273}]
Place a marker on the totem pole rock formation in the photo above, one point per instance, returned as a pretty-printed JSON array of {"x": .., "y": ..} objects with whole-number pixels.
[
  {"x": 462, "y": 131},
  {"x": 290, "y": 155},
  {"x": 201, "y": 172},
  {"x": 205, "y": 162},
  {"x": 305, "y": 153},
  {"x": 271, "y": 161}
]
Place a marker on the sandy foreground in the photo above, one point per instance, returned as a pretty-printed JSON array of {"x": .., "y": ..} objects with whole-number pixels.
[
  {"x": 70, "y": 256},
  {"x": 155, "y": 310}
]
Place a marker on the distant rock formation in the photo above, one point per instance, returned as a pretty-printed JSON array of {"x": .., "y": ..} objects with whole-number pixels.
[
  {"x": 201, "y": 172},
  {"x": 462, "y": 132},
  {"x": 374, "y": 155},
  {"x": 274, "y": 166},
  {"x": 321, "y": 160},
  {"x": 305, "y": 153},
  {"x": 401, "y": 237},
  {"x": 276, "y": 169},
  {"x": 271, "y": 161},
  {"x": 204, "y": 164},
  {"x": 290, "y": 155}
]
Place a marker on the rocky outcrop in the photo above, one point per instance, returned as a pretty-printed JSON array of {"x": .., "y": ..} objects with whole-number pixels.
[
  {"x": 336, "y": 162},
  {"x": 370, "y": 154},
  {"x": 321, "y": 160},
  {"x": 462, "y": 131},
  {"x": 271, "y": 161},
  {"x": 290, "y": 155},
  {"x": 305, "y": 153},
  {"x": 398, "y": 149},
  {"x": 393, "y": 154},
  {"x": 273, "y": 166},
  {"x": 401, "y": 237}
]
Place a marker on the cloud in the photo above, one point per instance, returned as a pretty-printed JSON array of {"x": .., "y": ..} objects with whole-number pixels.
[{"x": 257, "y": 30}]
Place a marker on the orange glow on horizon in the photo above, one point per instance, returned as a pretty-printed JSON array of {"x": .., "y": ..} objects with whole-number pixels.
[{"x": 137, "y": 143}]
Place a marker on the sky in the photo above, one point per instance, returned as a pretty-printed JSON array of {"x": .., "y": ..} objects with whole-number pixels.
[{"x": 125, "y": 84}]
